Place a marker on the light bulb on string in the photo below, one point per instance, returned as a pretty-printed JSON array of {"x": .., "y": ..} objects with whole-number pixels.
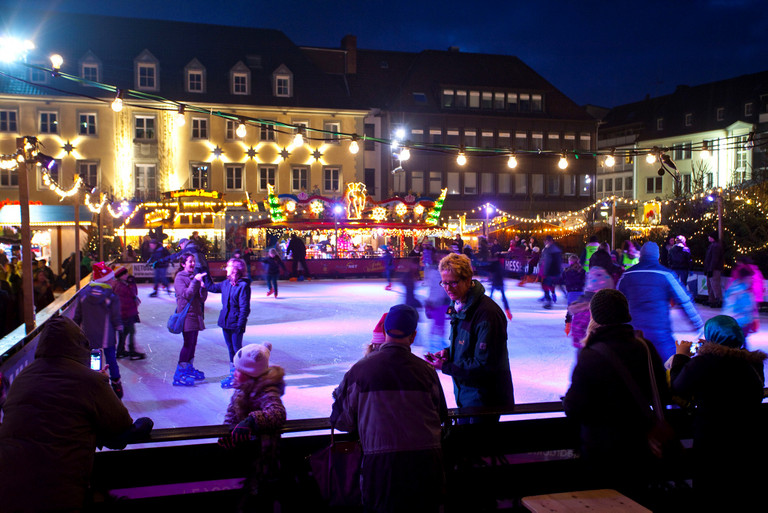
[
  {"x": 298, "y": 139},
  {"x": 354, "y": 147},
  {"x": 117, "y": 103},
  {"x": 563, "y": 162},
  {"x": 241, "y": 130},
  {"x": 512, "y": 162},
  {"x": 650, "y": 158},
  {"x": 461, "y": 159},
  {"x": 610, "y": 161},
  {"x": 405, "y": 154},
  {"x": 181, "y": 118}
]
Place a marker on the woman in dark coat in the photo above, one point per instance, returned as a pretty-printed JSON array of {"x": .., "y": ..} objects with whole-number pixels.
[
  {"x": 725, "y": 382},
  {"x": 614, "y": 443},
  {"x": 235, "y": 293},
  {"x": 189, "y": 290}
]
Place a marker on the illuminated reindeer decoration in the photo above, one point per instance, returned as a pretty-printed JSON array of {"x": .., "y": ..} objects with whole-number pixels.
[{"x": 356, "y": 197}]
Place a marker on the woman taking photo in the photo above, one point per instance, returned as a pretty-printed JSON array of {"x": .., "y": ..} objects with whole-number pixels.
[
  {"x": 189, "y": 291},
  {"x": 235, "y": 293}
]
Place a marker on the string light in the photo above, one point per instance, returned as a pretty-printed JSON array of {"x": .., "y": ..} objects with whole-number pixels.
[
  {"x": 181, "y": 117},
  {"x": 241, "y": 131},
  {"x": 461, "y": 159},
  {"x": 512, "y": 162},
  {"x": 117, "y": 103},
  {"x": 353, "y": 146},
  {"x": 563, "y": 162}
]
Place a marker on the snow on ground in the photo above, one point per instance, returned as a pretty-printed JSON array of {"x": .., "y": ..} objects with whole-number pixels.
[{"x": 318, "y": 330}]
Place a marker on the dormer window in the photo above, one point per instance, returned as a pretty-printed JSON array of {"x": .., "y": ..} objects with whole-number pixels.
[
  {"x": 195, "y": 77},
  {"x": 282, "y": 80},
  {"x": 38, "y": 76},
  {"x": 90, "y": 67},
  {"x": 240, "y": 79},
  {"x": 147, "y": 72}
]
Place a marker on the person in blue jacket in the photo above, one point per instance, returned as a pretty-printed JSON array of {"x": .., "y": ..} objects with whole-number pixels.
[
  {"x": 235, "y": 293},
  {"x": 650, "y": 288}
]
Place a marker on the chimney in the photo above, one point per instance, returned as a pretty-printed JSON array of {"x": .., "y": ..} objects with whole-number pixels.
[{"x": 349, "y": 45}]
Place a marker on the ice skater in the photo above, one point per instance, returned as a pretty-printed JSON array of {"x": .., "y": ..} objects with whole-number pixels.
[
  {"x": 189, "y": 291},
  {"x": 274, "y": 263},
  {"x": 235, "y": 293}
]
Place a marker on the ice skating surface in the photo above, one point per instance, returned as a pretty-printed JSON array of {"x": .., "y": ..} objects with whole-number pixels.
[{"x": 318, "y": 329}]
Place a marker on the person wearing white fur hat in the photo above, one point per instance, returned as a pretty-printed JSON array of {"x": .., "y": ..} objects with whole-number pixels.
[{"x": 256, "y": 414}]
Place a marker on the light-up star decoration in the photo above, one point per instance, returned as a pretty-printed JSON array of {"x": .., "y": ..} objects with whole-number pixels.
[
  {"x": 68, "y": 147},
  {"x": 317, "y": 154},
  {"x": 251, "y": 153},
  {"x": 284, "y": 153},
  {"x": 218, "y": 152}
]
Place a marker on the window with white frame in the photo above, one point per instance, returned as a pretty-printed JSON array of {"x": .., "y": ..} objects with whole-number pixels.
[
  {"x": 195, "y": 81},
  {"x": 234, "y": 177},
  {"x": 48, "y": 122},
  {"x": 398, "y": 183},
  {"x": 145, "y": 182},
  {"x": 525, "y": 102},
  {"x": 199, "y": 176},
  {"x": 417, "y": 136},
  {"x": 453, "y": 183},
  {"x": 505, "y": 139},
  {"x": 628, "y": 184},
  {"x": 9, "y": 120},
  {"x": 741, "y": 160},
  {"x": 470, "y": 137},
  {"x": 470, "y": 182},
  {"x": 521, "y": 140},
  {"x": 608, "y": 185},
  {"x": 37, "y": 75},
  {"x": 487, "y": 138},
  {"x": 435, "y": 182},
  {"x": 617, "y": 184},
  {"x": 299, "y": 179},
  {"x": 436, "y": 135},
  {"x": 487, "y": 100},
  {"x": 266, "y": 177},
  {"x": 332, "y": 130},
  {"x": 146, "y": 76},
  {"x": 88, "y": 171},
  {"x": 239, "y": 83},
  {"x": 474, "y": 99},
  {"x": 90, "y": 71},
  {"x": 144, "y": 127},
  {"x": 600, "y": 185},
  {"x": 569, "y": 141},
  {"x": 448, "y": 98},
  {"x": 9, "y": 177},
  {"x": 461, "y": 99},
  {"x": 553, "y": 141},
  {"x": 332, "y": 179},
  {"x": 688, "y": 119},
  {"x": 687, "y": 183},
  {"x": 417, "y": 182},
  {"x": 585, "y": 141},
  {"x": 86, "y": 123},
  {"x": 512, "y": 103},
  {"x": 537, "y": 103},
  {"x": 267, "y": 132},
  {"x": 498, "y": 101},
  {"x": 653, "y": 184},
  {"x": 283, "y": 86},
  {"x": 230, "y": 130},
  {"x": 452, "y": 137},
  {"x": 537, "y": 140},
  {"x": 199, "y": 128}
]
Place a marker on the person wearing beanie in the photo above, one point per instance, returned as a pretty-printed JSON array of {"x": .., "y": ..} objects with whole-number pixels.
[
  {"x": 256, "y": 415},
  {"x": 679, "y": 258},
  {"x": 650, "y": 288},
  {"x": 725, "y": 383},
  {"x": 394, "y": 401},
  {"x": 97, "y": 311},
  {"x": 614, "y": 442},
  {"x": 714, "y": 262},
  {"x": 377, "y": 338}
]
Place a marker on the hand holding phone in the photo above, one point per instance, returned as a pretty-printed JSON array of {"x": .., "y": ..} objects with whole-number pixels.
[{"x": 97, "y": 359}]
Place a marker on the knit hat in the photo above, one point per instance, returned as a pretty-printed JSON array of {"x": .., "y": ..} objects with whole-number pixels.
[
  {"x": 401, "y": 321},
  {"x": 101, "y": 272},
  {"x": 649, "y": 251},
  {"x": 680, "y": 238},
  {"x": 253, "y": 359},
  {"x": 183, "y": 242},
  {"x": 609, "y": 306},
  {"x": 378, "y": 331},
  {"x": 598, "y": 279},
  {"x": 724, "y": 330}
]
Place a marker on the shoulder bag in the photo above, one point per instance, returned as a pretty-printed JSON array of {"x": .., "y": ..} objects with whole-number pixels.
[
  {"x": 336, "y": 469},
  {"x": 176, "y": 320},
  {"x": 662, "y": 440}
]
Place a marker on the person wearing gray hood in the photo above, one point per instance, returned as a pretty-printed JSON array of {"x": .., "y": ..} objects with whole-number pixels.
[
  {"x": 57, "y": 412},
  {"x": 650, "y": 288}
]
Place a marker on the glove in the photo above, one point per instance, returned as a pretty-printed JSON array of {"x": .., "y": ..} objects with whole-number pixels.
[
  {"x": 154, "y": 265},
  {"x": 226, "y": 442},
  {"x": 242, "y": 432}
]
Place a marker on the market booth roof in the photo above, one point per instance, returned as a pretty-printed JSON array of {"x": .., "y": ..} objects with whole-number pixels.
[
  {"x": 45, "y": 215},
  {"x": 343, "y": 224}
]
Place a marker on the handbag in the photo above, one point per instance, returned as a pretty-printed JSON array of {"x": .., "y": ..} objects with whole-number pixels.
[
  {"x": 662, "y": 440},
  {"x": 336, "y": 469},
  {"x": 176, "y": 320}
]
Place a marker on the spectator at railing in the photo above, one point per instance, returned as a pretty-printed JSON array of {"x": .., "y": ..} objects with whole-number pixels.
[{"x": 56, "y": 413}]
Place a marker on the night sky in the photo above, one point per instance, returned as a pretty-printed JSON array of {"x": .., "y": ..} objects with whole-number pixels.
[{"x": 601, "y": 53}]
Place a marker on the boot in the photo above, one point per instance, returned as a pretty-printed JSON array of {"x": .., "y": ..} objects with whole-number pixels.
[
  {"x": 508, "y": 313},
  {"x": 182, "y": 378},
  {"x": 269, "y": 293},
  {"x": 196, "y": 374},
  {"x": 118, "y": 388},
  {"x": 229, "y": 381},
  {"x": 567, "y": 328}
]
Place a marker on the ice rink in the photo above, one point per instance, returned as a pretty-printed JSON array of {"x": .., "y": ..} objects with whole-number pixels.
[{"x": 318, "y": 330}]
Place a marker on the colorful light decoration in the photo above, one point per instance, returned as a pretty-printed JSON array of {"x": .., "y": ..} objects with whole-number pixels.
[
  {"x": 273, "y": 204},
  {"x": 379, "y": 214},
  {"x": 316, "y": 207},
  {"x": 434, "y": 215},
  {"x": 401, "y": 209}
]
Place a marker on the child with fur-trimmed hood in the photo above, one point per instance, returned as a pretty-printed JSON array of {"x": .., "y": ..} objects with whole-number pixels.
[{"x": 256, "y": 414}]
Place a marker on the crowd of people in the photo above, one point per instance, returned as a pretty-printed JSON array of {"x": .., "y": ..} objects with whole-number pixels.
[{"x": 618, "y": 319}]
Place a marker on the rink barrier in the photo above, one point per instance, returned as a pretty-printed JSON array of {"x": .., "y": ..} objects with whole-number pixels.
[{"x": 531, "y": 451}]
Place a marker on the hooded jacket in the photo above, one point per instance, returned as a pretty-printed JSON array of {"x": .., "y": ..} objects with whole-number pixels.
[
  {"x": 649, "y": 288},
  {"x": 478, "y": 360},
  {"x": 57, "y": 412},
  {"x": 103, "y": 314},
  {"x": 235, "y": 302}
]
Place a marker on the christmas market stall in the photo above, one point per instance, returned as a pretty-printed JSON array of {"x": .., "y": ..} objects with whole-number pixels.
[{"x": 344, "y": 236}]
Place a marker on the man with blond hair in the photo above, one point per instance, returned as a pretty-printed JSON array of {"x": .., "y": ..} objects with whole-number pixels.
[{"x": 477, "y": 358}]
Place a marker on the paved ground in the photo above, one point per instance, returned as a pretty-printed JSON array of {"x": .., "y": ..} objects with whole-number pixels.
[{"x": 318, "y": 330}]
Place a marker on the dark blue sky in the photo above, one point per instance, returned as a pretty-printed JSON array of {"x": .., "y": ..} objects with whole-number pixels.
[{"x": 603, "y": 53}]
